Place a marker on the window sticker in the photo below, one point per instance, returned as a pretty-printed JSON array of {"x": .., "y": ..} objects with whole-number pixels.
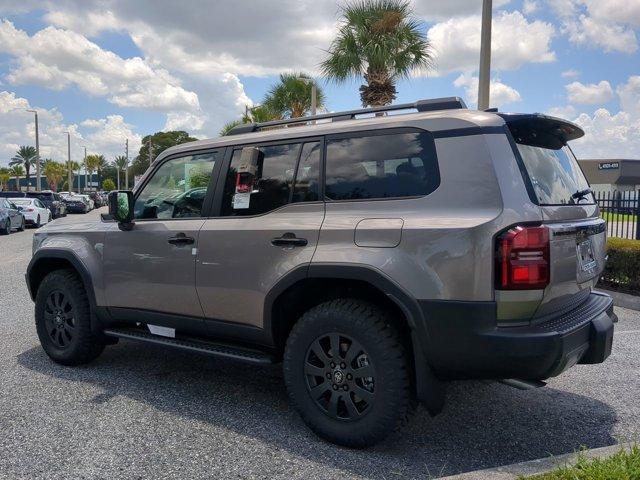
[{"x": 241, "y": 200}]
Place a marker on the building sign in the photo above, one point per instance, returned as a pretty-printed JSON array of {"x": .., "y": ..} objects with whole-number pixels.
[{"x": 609, "y": 166}]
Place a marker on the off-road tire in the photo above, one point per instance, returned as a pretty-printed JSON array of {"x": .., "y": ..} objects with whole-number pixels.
[
  {"x": 83, "y": 346},
  {"x": 369, "y": 326}
]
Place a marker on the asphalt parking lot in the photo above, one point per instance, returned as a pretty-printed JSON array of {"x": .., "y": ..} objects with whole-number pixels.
[{"x": 144, "y": 412}]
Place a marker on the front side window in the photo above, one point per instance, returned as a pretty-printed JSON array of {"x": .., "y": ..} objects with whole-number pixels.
[
  {"x": 285, "y": 173},
  {"x": 178, "y": 188},
  {"x": 555, "y": 175},
  {"x": 390, "y": 165}
]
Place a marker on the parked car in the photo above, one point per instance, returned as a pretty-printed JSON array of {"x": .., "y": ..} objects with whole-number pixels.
[
  {"x": 10, "y": 217},
  {"x": 35, "y": 212},
  {"x": 75, "y": 203},
  {"x": 374, "y": 257},
  {"x": 97, "y": 199},
  {"x": 87, "y": 200},
  {"x": 51, "y": 200}
]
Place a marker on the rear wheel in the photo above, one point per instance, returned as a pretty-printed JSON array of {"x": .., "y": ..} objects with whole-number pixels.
[
  {"x": 38, "y": 222},
  {"x": 63, "y": 319},
  {"x": 22, "y": 225},
  {"x": 347, "y": 372}
]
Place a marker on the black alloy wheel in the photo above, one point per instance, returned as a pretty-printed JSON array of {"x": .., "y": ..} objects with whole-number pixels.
[
  {"x": 7, "y": 227},
  {"x": 340, "y": 377},
  {"x": 59, "y": 319}
]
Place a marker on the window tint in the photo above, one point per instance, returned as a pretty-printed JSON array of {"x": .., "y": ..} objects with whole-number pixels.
[
  {"x": 274, "y": 179},
  {"x": 3, "y": 203},
  {"x": 178, "y": 188},
  {"x": 555, "y": 174},
  {"x": 381, "y": 166}
]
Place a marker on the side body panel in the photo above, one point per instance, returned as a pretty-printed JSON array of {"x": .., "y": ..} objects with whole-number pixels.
[{"x": 237, "y": 265}]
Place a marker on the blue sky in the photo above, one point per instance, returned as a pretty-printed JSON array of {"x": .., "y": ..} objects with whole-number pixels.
[{"x": 118, "y": 69}]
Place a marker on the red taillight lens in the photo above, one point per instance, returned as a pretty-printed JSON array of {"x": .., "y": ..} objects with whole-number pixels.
[
  {"x": 29, "y": 209},
  {"x": 522, "y": 258}
]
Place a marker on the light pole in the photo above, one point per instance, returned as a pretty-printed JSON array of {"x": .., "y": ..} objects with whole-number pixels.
[
  {"x": 69, "y": 162},
  {"x": 314, "y": 93},
  {"x": 484, "y": 81},
  {"x": 38, "y": 174},
  {"x": 126, "y": 168},
  {"x": 85, "y": 169}
]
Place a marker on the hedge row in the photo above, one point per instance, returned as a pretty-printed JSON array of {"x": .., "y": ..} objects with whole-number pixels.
[{"x": 622, "y": 270}]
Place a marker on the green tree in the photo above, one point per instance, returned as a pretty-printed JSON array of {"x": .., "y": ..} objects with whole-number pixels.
[
  {"x": 381, "y": 41},
  {"x": 255, "y": 114},
  {"x": 94, "y": 163},
  {"x": 160, "y": 141},
  {"x": 108, "y": 185},
  {"x": 54, "y": 173},
  {"x": 120, "y": 162},
  {"x": 26, "y": 157},
  {"x": 5, "y": 175},
  {"x": 16, "y": 172},
  {"x": 291, "y": 96}
]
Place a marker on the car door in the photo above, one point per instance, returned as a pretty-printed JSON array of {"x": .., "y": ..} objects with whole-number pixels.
[
  {"x": 14, "y": 215},
  {"x": 152, "y": 267},
  {"x": 42, "y": 210},
  {"x": 261, "y": 234}
]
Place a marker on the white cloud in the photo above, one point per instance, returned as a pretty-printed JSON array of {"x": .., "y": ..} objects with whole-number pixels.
[
  {"x": 571, "y": 73},
  {"x": 530, "y": 6},
  {"x": 606, "y": 24},
  {"x": 608, "y": 136},
  {"x": 105, "y": 136},
  {"x": 516, "y": 41},
  {"x": 568, "y": 112},
  {"x": 56, "y": 58},
  {"x": 629, "y": 94},
  {"x": 590, "y": 94},
  {"x": 500, "y": 93}
]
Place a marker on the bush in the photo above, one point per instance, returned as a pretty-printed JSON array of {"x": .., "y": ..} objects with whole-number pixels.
[
  {"x": 108, "y": 185},
  {"x": 622, "y": 270}
]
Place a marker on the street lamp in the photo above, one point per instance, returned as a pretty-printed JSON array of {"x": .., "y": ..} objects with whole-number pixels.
[
  {"x": 314, "y": 93},
  {"x": 69, "y": 162},
  {"x": 38, "y": 176},
  {"x": 85, "y": 169},
  {"x": 484, "y": 80}
]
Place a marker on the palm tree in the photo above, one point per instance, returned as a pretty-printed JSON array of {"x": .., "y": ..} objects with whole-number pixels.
[
  {"x": 255, "y": 114},
  {"x": 120, "y": 162},
  {"x": 17, "y": 171},
  {"x": 54, "y": 172},
  {"x": 95, "y": 163},
  {"x": 27, "y": 157},
  {"x": 381, "y": 41},
  {"x": 291, "y": 96}
]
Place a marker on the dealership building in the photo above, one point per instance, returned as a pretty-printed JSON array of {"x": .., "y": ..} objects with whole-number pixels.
[{"x": 621, "y": 175}]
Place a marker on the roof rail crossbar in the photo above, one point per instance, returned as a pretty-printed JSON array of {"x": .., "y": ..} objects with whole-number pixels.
[{"x": 447, "y": 103}]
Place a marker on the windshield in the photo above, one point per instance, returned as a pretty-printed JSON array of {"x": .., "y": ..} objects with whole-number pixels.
[{"x": 555, "y": 175}]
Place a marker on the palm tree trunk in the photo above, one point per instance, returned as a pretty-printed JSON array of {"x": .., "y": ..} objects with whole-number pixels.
[
  {"x": 28, "y": 176},
  {"x": 118, "y": 176},
  {"x": 379, "y": 90}
]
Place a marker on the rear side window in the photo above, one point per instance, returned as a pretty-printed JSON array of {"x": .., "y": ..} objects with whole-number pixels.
[
  {"x": 389, "y": 165},
  {"x": 285, "y": 173},
  {"x": 555, "y": 174}
]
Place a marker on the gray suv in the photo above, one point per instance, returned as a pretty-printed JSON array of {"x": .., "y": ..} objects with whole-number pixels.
[{"x": 375, "y": 255}]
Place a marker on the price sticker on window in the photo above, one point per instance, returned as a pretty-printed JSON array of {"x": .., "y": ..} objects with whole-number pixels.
[{"x": 241, "y": 200}]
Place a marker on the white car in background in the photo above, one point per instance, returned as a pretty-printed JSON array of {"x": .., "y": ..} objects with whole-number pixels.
[{"x": 34, "y": 211}]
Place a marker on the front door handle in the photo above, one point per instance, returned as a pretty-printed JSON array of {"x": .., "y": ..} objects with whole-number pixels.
[
  {"x": 181, "y": 239},
  {"x": 289, "y": 240}
]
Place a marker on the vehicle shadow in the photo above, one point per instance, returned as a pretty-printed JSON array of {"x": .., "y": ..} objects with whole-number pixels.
[{"x": 483, "y": 424}]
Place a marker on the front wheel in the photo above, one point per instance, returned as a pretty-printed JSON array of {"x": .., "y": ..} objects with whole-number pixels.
[
  {"x": 22, "y": 225},
  {"x": 6, "y": 230},
  {"x": 63, "y": 319},
  {"x": 347, "y": 372}
]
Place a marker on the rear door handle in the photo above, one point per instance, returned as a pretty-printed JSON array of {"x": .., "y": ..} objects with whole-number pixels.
[
  {"x": 289, "y": 240},
  {"x": 181, "y": 239}
]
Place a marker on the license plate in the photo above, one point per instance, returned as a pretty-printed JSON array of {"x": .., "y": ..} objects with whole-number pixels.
[{"x": 585, "y": 255}]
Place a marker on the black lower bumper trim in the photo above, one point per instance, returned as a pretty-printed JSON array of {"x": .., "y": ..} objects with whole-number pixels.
[{"x": 466, "y": 343}]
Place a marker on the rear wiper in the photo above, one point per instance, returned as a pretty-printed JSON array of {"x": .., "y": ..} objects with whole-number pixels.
[{"x": 580, "y": 194}]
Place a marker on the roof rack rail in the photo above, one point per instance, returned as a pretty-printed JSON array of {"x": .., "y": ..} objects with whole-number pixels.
[{"x": 430, "y": 105}]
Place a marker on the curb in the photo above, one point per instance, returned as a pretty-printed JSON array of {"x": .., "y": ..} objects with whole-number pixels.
[
  {"x": 541, "y": 465},
  {"x": 623, "y": 300}
]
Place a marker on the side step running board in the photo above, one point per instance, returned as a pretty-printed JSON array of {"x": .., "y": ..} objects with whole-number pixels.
[{"x": 208, "y": 348}]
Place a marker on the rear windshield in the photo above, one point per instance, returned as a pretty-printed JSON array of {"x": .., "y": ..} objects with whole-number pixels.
[
  {"x": 41, "y": 196},
  {"x": 19, "y": 201},
  {"x": 555, "y": 175}
]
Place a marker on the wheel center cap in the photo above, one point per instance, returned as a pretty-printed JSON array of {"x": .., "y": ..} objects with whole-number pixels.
[{"x": 338, "y": 376}]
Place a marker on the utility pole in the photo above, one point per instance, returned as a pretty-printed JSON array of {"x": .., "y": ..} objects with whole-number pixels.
[
  {"x": 314, "y": 98},
  {"x": 69, "y": 185},
  {"x": 484, "y": 81},
  {"x": 85, "y": 169},
  {"x": 38, "y": 173},
  {"x": 126, "y": 168}
]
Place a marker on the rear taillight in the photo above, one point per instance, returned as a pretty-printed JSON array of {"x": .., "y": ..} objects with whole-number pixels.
[
  {"x": 522, "y": 258},
  {"x": 29, "y": 209}
]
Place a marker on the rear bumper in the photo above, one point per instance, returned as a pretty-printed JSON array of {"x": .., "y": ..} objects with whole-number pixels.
[{"x": 472, "y": 346}]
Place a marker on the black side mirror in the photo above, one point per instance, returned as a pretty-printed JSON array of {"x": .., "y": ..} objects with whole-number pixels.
[{"x": 121, "y": 208}]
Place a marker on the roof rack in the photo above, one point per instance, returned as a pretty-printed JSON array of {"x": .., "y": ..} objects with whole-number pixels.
[{"x": 430, "y": 105}]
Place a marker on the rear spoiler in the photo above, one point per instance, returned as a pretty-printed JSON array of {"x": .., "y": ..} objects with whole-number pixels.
[{"x": 541, "y": 130}]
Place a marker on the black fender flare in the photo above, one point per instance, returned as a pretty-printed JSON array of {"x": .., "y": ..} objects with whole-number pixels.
[{"x": 428, "y": 388}]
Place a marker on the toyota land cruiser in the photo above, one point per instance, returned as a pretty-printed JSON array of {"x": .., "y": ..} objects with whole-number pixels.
[{"x": 376, "y": 253}]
